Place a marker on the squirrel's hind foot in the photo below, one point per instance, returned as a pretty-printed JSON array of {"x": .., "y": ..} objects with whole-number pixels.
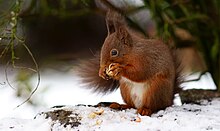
[
  {"x": 144, "y": 111},
  {"x": 118, "y": 106},
  {"x": 113, "y": 105}
]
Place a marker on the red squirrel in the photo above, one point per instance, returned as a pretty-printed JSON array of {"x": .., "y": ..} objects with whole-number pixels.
[{"x": 145, "y": 70}]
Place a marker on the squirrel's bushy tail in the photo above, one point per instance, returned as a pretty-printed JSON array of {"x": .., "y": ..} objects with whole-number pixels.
[{"x": 88, "y": 71}]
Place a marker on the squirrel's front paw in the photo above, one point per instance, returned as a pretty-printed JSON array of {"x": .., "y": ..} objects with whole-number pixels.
[
  {"x": 103, "y": 74},
  {"x": 114, "y": 70}
]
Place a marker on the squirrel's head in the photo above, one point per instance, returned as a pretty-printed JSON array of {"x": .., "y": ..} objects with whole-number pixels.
[{"x": 118, "y": 43}]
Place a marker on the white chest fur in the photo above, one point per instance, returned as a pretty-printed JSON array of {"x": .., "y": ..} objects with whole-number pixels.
[{"x": 137, "y": 91}]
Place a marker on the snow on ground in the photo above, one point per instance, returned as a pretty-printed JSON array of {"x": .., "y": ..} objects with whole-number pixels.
[
  {"x": 182, "y": 118},
  {"x": 62, "y": 88}
]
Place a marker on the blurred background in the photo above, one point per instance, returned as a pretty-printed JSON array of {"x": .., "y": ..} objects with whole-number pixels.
[{"x": 50, "y": 37}]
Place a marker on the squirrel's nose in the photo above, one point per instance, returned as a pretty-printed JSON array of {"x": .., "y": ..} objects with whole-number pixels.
[{"x": 102, "y": 73}]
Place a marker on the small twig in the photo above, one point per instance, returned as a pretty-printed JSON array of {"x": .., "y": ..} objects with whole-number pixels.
[
  {"x": 11, "y": 34},
  {"x": 197, "y": 79},
  {"x": 22, "y": 67},
  {"x": 6, "y": 75},
  {"x": 19, "y": 39},
  {"x": 5, "y": 49},
  {"x": 17, "y": 67},
  {"x": 184, "y": 19},
  {"x": 38, "y": 75}
]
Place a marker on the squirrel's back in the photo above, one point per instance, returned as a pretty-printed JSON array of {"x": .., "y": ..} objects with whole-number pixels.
[{"x": 146, "y": 70}]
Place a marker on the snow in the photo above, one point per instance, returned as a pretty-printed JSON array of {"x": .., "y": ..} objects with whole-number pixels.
[
  {"x": 56, "y": 88},
  {"x": 62, "y": 88},
  {"x": 18, "y": 124},
  {"x": 181, "y": 118},
  {"x": 205, "y": 82}
]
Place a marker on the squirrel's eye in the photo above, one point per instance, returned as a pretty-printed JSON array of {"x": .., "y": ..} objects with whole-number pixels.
[{"x": 114, "y": 52}]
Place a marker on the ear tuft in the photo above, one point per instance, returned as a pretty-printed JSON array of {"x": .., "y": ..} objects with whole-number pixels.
[
  {"x": 113, "y": 21},
  {"x": 116, "y": 23},
  {"x": 124, "y": 36},
  {"x": 110, "y": 27}
]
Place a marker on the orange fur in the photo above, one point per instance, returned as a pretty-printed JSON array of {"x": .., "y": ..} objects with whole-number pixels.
[{"x": 144, "y": 69}]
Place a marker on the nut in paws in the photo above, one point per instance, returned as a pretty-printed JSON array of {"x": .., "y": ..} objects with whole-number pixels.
[{"x": 113, "y": 70}]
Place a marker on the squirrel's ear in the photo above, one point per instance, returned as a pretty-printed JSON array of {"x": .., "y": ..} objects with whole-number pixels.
[
  {"x": 116, "y": 23},
  {"x": 110, "y": 27},
  {"x": 124, "y": 36},
  {"x": 110, "y": 21},
  {"x": 113, "y": 21}
]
